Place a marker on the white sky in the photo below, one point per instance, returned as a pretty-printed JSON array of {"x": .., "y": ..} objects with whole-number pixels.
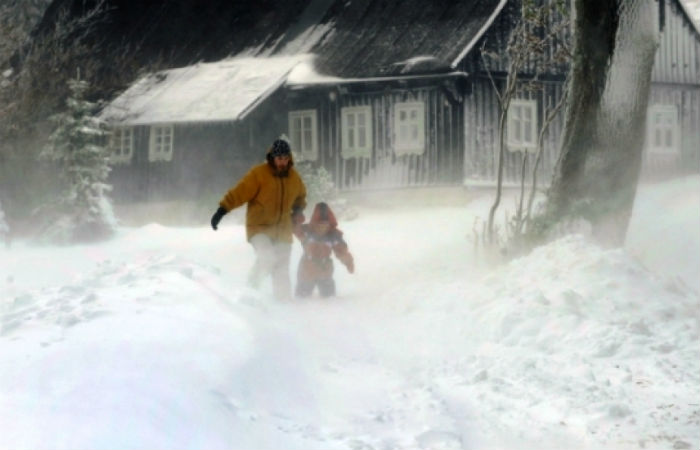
[{"x": 151, "y": 340}]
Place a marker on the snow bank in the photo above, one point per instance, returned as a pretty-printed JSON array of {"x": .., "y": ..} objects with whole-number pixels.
[
  {"x": 152, "y": 340},
  {"x": 588, "y": 340}
]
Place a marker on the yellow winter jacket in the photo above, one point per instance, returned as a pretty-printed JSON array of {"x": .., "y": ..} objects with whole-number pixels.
[{"x": 270, "y": 198}]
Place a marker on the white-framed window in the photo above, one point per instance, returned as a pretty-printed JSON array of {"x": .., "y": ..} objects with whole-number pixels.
[
  {"x": 409, "y": 128},
  {"x": 356, "y": 126},
  {"x": 160, "y": 144},
  {"x": 303, "y": 132},
  {"x": 522, "y": 125},
  {"x": 121, "y": 144},
  {"x": 662, "y": 129}
]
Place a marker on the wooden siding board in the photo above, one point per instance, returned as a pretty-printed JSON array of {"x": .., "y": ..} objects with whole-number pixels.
[
  {"x": 384, "y": 168},
  {"x": 676, "y": 58}
]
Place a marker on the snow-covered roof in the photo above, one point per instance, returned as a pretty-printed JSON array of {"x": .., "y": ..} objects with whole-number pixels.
[
  {"x": 222, "y": 91},
  {"x": 370, "y": 38},
  {"x": 692, "y": 10}
]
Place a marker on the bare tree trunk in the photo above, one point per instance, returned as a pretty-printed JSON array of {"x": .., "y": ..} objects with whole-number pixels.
[
  {"x": 613, "y": 169},
  {"x": 499, "y": 183},
  {"x": 595, "y": 27},
  {"x": 599, "y": 165},
  {"x": 549, "y": 116}
]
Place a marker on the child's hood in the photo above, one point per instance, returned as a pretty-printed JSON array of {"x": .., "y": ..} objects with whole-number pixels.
[{"x": 323, "y": 213}]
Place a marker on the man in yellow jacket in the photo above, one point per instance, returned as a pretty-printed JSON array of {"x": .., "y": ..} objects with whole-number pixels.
[{"x": 276, "y": 196}]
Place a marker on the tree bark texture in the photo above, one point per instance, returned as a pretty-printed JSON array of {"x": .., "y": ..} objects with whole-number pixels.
[
  {"x": 600, "y": 161},
  {"x": 613, "y": 166},
  {"x": 595, "y": 27}
]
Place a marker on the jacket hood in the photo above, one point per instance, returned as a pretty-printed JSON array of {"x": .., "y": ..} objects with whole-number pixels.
[
  {"x": 271, "y": 163},
  {"x": 323, "y": 213}
]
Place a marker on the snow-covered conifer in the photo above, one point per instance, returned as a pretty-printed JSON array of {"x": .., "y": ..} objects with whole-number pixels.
[
  {"x": 76, "y": 146},
  {"x": 319, "y": 183}
]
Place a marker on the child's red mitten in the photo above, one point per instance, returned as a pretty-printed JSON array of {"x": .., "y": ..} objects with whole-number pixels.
[{"x": 350, "y": 264}]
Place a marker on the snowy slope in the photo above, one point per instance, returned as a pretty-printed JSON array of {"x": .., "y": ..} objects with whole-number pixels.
[{"x": 152, "y": 340}]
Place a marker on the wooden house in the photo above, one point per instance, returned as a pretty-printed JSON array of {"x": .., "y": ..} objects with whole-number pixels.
[
  {"x": 673, "y": 117},
  {"x": 188, "y": 133},
  {"x": 394, "y": 94}
]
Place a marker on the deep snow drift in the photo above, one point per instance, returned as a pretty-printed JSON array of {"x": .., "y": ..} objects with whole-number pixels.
[{"x": 152, "y": 340}]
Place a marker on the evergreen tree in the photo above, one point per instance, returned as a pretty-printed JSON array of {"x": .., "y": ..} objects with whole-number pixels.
[
  {"x": 83, "y": 209},
  {"x": 319, "y": 183},
  {"x": 321, "y": 188}
]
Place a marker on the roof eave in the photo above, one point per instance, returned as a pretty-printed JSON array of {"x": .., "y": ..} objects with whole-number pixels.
[
  {"x": 340, "y": 81},
  {"x": 479, "y": 34}
]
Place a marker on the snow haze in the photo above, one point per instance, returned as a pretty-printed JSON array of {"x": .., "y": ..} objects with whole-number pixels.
[{"x": 152, "y": 340}]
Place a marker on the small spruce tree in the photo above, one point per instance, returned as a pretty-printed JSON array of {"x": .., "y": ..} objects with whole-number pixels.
[
  {"x": 321, "y": 188},
  {"x": 83, "y": 212},
  {"x": 319, "y": 183}
]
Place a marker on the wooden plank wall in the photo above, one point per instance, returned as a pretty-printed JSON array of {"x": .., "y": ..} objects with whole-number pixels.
[
  {"x": 207, "y": 158},
  {"x": 481, "y": 137},
  {"x": 678, "y": 57},
  {"x": 440, "y": 164},
  {"x": 687, "y": 100}
]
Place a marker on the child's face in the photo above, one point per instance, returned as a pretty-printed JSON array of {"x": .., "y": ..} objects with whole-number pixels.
[{"x": 321, "y": 227}]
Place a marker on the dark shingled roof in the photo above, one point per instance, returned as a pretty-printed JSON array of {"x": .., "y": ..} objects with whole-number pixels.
[{"x": 378, "y": 37}]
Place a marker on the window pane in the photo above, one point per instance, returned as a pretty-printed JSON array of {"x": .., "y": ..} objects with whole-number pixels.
[
  {"x": 307, "y": 140},
  {"x": 403, "y": 133},
  {"x": 517, "y": 113},
  {"x": 669, "y": 139},
  {"x": 362, "y": 137},
  {"x": 402, "y": 116},
  {"x": 351, "y": 120},
  {"x": 296, "y": 137}
]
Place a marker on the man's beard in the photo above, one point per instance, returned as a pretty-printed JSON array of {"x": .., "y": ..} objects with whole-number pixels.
[{"x": 282, "y": 172}]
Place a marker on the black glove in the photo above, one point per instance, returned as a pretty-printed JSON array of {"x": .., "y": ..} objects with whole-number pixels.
[{"x": 216, "y": 218}]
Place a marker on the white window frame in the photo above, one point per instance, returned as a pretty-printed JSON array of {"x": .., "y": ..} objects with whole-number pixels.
[
  {"x": 522, "y": 125},
  {"x": 663, "y": 133},
  {"x": 121, "y": 145},
  {"x": 409, "y": 130},
  {"x": 160, "y": 143},
  {"x": 303, "y": 135},
  {"x": 356, "y": 131}
]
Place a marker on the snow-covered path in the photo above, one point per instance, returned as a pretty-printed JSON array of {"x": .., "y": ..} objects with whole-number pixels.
[{"x": 152, "y": 340}]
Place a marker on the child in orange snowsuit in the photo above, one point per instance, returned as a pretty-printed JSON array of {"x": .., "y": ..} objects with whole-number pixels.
[{"x": 319, "y": 238}]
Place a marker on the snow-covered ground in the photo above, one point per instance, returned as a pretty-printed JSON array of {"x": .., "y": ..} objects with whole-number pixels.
[{"x": 152, "y": 340}]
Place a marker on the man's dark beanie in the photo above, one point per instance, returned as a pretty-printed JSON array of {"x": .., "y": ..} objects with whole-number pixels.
[{"x": 280, "y": 148}]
